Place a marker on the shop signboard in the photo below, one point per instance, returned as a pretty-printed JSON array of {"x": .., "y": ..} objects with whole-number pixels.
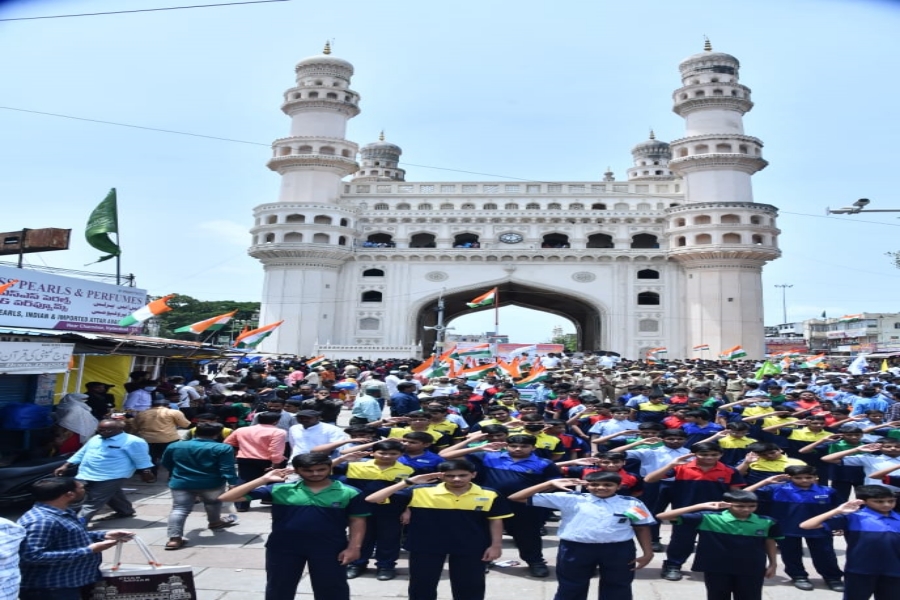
[{"x": 46, "y": 301}]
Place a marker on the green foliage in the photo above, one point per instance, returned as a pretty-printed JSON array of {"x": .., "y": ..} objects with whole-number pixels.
[
  {"x": 895, "y": 258},
  {"x": 569, "y": 340},
  {"x": 187, "y": 310}
]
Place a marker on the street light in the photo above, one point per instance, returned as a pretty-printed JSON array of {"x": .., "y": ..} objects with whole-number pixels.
[
  {"x": 858, "y": 207},
  {"x": 784, "y": 287}
]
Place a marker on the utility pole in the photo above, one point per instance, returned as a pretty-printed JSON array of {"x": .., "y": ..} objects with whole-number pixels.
[{"x": 784, "y": 287}]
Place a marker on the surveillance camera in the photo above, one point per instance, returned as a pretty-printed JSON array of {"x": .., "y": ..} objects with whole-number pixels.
[{"x": 861, "y": 202}]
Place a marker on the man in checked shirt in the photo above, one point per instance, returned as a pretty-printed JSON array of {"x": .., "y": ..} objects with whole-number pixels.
[{"x": 59, "y": 555}]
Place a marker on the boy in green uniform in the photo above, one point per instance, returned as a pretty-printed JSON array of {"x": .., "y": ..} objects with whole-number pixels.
[{"x": 736, "y": 550}]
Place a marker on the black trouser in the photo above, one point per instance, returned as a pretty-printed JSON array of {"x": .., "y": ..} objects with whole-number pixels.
[
  {"x": 156, "y": 451},
  {"x": 821, "y": 550},
  {"x": 681, "y": 546},
  {"x": 576, "y": 563},
  {"x": 383, "y": 530},
  {"x": 525, "y": 528},
  {"x": 733, "y": 586},
  {"x": 285, "y": 565},
  {"x": 466, "y": 575},
  {"x": 248, "y": 470},
  {"x": 657, "y": 496},
  {"x": 864, "y": 587}
]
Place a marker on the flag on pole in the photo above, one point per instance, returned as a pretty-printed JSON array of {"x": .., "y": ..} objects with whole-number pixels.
[
  {"x": 486, "y": 299},
  {"x": 653, "y": 353},
  {"x": 8, "y": 285},
  {"x": 733, "y": 353},
  {"x": 814, "y": 362},
  {"x": 157, "y": 307},
  {"x": 476, "y": 372},
  {"x": 518, "y": 352},
  {"x": 511, "y": 369},
  {"x": 429, "y": 369},
  {"x": 884, "y": 365},
  {"x": 252, "y": 338},
  {"x": 537, "y": 374},
  {"x": 847, "y": 318},
  {"x": 211, "y": 324},
  {"x": 858, "y": 366},
  {"x": 785, "y": 363},
  {"x": 103, "y": 221},
  {"x": 701, "y": 347},
  {"x": 823, "y": 315},
  {"x": 767, "y": 368},
  {"x": 315, "y": 361},
  {"x": 477, "y": 351}
]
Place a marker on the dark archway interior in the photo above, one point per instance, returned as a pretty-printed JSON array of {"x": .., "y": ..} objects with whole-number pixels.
[{"x": 586, "y": 317}]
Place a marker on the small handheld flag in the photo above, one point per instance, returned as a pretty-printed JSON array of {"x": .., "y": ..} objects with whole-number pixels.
[{"x": 157, "y": 307}]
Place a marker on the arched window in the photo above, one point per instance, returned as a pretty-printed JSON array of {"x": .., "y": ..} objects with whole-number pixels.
[
  {"x": 532, "y": 206},
  {"x": 369, "y": 324},
  {"x": 679, "y": 222},
  {"x": 622, "y": 206},
  {"x": 422, "y": 240},
  {"x": 466, "y": 240},
  {"x": 447, "y": 206},
  {"x": 555, "y": 240},
  {"x": 648, "y": 299},
  {"x": 321, "y": 238},
  {"x": 327, "y": 150},
  {"x": 680, "y": 241},
  {"x": 342, "y": 241},
  {"x": 490, "y": 206},
  {"x": 702, "y": 220},
  {"x": 371, "y": 296},
  {"x": 345, "y": 223},
  {"x": 723, "y": 148},
  {"x": 322, "y": 220},
  {"x": 270, "y": 238},
  {"x": 403, "y": 206},
  {"x": 598, "y": 207},
  {"x": 730, "y": 219},
  {"x": 648, "y": 325},
  {"x": 576, "y": 207},
  {"x": 295, "y": 219},
  {"x": 703, "y": 238},
  {"x": 424, "y": 207},
  {"x": 644, "y": 206},
  {"x": 271, "y": 219},
  {"x": 373, "y": 273},
  {"x": 511, "y": 207},
  {"x": 468, "y": 206},
  {"x": 554, "y": 206},
  {"x": 701, "y": 149},
  {"x": 731, "y": 238},
  {"x": 648, "y": 274},
  {"x": 293, "y": 237},
  {"x": 284, "y": 151},
  {"x": 314, "y": 94},
  {"x": 644, "y": 240},
  {"x": 600, "y": 240},
  {"x": 754, "y": 220},
  {"x": 379, "y": 240},
  {"x": 305, "y": 150},
  {"x": 757, "y": 239},
  {"x": 331, "y": 95},
  {"x": 381, "y": 206}
]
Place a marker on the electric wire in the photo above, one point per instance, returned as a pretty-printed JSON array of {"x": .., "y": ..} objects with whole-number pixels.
[{"x": 140, "y": 10}]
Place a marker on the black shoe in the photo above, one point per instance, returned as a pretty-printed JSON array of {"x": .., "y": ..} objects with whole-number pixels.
[
  {"x": 802, "y": 583},
  {"x": 543, "y": 531},
  {"x": 657, "y": 547},
  {"x": 553, "y": 517},
  {"x": 538, "y": 570},
  {"x": 383, "y": 574},
  {"x": 672, "y": 574},
  {"x": 835, "y": 585},
  {"x": 354, "y": 571}
]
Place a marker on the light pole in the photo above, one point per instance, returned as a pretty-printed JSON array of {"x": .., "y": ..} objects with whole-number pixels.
[
  {"x": 858, "y": 207},
  {"x": 784, "y": 287}
]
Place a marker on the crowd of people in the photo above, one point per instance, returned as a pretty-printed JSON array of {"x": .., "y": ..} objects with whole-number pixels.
[{"x": 744, "y": 467}]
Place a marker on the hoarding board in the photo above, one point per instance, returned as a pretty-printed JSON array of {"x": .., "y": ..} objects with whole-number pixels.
[
  {"x": 34, "y": 358},
  {"x": 45, "y": 301}
]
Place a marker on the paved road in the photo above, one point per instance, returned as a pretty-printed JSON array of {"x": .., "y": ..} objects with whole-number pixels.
[{"x": 229, "y": 564}]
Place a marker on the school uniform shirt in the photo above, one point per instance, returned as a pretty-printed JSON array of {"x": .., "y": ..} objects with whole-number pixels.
[
  {"x": 648, "y": 412},
  {"x": 439, "y": 439},
  {"x": 426, "y": 462},
  {"x": 548, "y": 446},
  {"x": 303, "y": 517},
  {"x": 692, "y": 485},
  {"x": 871, "y": 463},
  {"x": 443, "y": 523},
  {"x": 763, "y": 467},
  {"x": 498, "y": 471},
  {"x": 611, "y": 426},
  {"x": 587, "y": 519},
  {"x": 734, "y": 449},
  {"x": 632, "y": 485},
  {"x": 653, "y": 459},
  {"x": 730, "y": 545},
  {"x": 791, "y": 505},
  {"x": 369, "y": 478},
  {"x": 304, "y": 439},
  {"x": 873, "y": 541},
  {"x": 697, "y": 433}
]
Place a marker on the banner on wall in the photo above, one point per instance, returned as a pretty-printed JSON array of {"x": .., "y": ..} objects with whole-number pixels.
[
  {"x": 46, "y": 301},
  {"x": 34, "y": 358}
]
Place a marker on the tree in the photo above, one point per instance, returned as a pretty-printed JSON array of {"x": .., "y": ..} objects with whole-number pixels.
[
  {"x": 187, "y": 310},
  {"x": 568, "y": 340}
]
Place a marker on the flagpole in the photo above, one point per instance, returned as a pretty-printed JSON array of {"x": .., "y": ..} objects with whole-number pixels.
[
  {"x": 118, "y": 260},
  {"x": 496, "y": 319}
]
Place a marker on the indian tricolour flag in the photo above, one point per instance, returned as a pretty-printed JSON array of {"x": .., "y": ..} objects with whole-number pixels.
[
  {"x": 252, "y": 338},
  {"x": 655, "y": 353},
  {"x": 814, "y": 362},
  {"x": 847, "y": 318},
  {"x": 701, "y": 347},
  {"x": 538, "y": 373},
  {"x": 486, "y": 299},
  {"x": 315, "y": 361},
  {"x": 477, "y": 351},
  {"x": 157, "y": 307},
  {"x": 430, "y": 368},
  {"x": 510, "y": 368},
  {"x": 476, "y": 372},
  {"x": 733, "y": 353},
  {"x": 212, "y": 324}
]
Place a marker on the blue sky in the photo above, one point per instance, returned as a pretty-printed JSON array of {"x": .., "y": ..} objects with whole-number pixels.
[{"x": 526, "y": 89}]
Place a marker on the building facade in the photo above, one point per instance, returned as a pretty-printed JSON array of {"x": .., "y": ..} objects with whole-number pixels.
[{"x": 356, "y": 257}]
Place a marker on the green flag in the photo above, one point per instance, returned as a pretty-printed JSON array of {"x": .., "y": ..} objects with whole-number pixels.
[
  {"x": 103, "y": 221},
  {"x": 767, "y": 368}
]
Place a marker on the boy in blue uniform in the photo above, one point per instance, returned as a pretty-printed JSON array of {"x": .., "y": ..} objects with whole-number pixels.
[
  {"x": 309, "y": 527},
  {"x": 449, "y": 517},
  {"x": 597, "y": 530},
  {"x": 383, "y": 527},
  {"x": 791, "y": 498},
  {"x": 872, "y": 531},
  {"x": 736, "y": 550}
]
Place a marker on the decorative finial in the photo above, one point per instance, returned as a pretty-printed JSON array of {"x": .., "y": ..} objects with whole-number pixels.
[
  {"x": 652, "y": 135},
  {"x": 707, "y": 47},
  {"x": 327, "y": 49},
  {"x": 381, "y": 136}
]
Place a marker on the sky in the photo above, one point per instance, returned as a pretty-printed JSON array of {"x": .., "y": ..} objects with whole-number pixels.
[{"x": 518, "y": 90}]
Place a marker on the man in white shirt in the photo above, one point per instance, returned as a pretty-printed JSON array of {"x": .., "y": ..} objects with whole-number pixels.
[
  {"x": 550, "y": 361},
  {"x": 311, "y": 433},
  {"x": 392, "y": 380}
]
